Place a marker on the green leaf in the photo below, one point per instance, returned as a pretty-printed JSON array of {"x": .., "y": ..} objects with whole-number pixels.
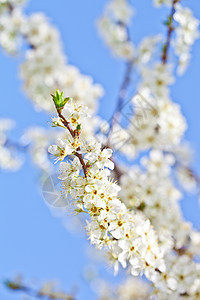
[
  {"x": 59, "y": 100},
  {"x": 168, "y": 21},
  {"x": 142, "y": 206},
  {"x": 78, "y": 127},
  {"x": 12, "y": 285}
]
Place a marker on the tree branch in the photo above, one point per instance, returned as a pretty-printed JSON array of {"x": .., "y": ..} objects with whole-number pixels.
[
  {"x": 16, "y": 286},
  {"x": 169, "y": 33}
]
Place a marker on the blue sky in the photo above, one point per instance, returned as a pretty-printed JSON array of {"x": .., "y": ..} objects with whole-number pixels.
[{"x": 33, "y": 242}]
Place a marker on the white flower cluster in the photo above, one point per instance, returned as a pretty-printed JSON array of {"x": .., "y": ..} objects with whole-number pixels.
[
  {"x": 157, "y": 78},
  {"x": 186, "y": 29},
  {"x": 152, "y": 191},
  {"x": 181, "y": 279},
  {"x": 194, "y": 246},
  {"x": 113, "y": 28},
  {"x": 11, "y": 25},
  {"x": 129, "y": 236},
  {"x": 159, "y": 202},
  {"x": 8, "y": 158},
  {"x": 36, "y": 140},
  {"x": 186, "y": 177},
  {"x": 130, "y": 289},
  {"x": 186, "y": 34},
  {"x": 45, "y": 68},
  {"x": 146, "y": 49},
  {"x": 156, "y": 122}
]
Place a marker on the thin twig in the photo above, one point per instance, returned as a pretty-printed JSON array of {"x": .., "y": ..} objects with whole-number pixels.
[
  {"x": 80, "y": 157},
  {"x": 66, "y": 123},
  {"x": 169, "y": 33},
  {"x": 16, "y": 146},
  {"x": 124, "y": 85},
  {"x": 120, "y": 101},
  {"x": 122, "y": 95},
  {"x": 15, "y": 286}
]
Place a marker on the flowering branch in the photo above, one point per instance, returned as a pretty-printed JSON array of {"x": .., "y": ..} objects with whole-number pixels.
[
  {"x": 60, "y": 102},
  {"x": 130, "y": 237}
]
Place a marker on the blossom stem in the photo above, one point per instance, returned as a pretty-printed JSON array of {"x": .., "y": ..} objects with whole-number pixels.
[
  {"x": 66, "y": 124},
  {"x": 80, "y": 157},
  {"x": 73, "y": 134}
]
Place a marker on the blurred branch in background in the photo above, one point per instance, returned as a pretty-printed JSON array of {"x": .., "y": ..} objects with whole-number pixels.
[
  {"x": 170, "y": 26},
  {"x": 46, "y": 292}
]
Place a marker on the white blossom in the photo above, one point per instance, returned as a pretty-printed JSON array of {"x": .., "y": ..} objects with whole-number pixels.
[
  {"x": 111, "y": 222},
  {"x": 186, "y": 34},
  {"x": 9, "y": 158},
  {"x": 112, "y": 26}
]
